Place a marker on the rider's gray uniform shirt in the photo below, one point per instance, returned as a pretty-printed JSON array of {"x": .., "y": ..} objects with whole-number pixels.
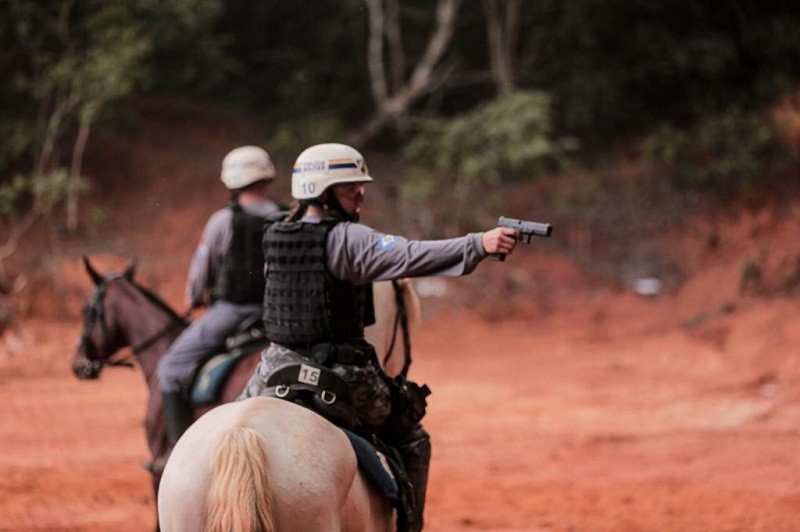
[
  {"x": 213, "y": 245},
  {"x": 362, "y": 255}
]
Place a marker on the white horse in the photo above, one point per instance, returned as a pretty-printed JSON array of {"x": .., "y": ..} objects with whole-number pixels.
[{"x": 266, "y": 464}]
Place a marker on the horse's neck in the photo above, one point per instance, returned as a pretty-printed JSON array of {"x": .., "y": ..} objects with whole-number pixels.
[
  {"x": 384, "y": 335},
  {"x": 142, "y": 320}
]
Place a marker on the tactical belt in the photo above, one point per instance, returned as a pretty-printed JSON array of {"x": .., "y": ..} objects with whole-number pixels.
[{"x": 327, "y": 354}]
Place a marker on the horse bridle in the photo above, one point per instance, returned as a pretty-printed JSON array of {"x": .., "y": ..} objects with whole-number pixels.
[{"x": 94, "y": 312}]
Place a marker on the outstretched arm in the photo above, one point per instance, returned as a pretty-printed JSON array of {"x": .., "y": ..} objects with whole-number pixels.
[{"x": 361, "y": 255}]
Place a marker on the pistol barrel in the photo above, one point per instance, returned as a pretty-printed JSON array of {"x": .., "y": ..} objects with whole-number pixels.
[{"x": 525, "y": 227}]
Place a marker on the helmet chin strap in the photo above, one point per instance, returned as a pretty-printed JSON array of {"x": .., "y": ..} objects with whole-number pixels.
[{"x": 333, "y": 205}]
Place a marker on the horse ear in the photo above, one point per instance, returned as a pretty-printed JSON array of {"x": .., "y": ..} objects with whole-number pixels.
[
  {"x": 96, "y": 277},
  {"x": 130, "y": 271}
]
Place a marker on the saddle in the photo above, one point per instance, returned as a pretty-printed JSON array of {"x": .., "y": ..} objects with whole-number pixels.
[
  {"x": 213, "y": 373},
  {"x": 249, "y": 331},
  {"x": 326, "y": 393}
]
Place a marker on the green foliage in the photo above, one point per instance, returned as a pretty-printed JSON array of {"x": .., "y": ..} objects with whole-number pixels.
[
  {"x": 507, "y": 138},
  {"x": 457, "y": 160},
  {"x": 188, "y": 49},
  {"x": 615, "y": 67},
  {"x": 23, "y": 193},
  {"x": 298, "y": 56},
  {"x": 11, "y": 192},
  {"x": 18, "y": 137},
  {"x": 294, "y": 136},
  {"x": 70, "y": 60},
  {"x": 306, "y": 56},
  {"x": 731, "y": 153}
]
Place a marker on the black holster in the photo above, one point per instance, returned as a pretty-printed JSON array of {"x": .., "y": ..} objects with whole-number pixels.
[{"x": 408, "y": 408}]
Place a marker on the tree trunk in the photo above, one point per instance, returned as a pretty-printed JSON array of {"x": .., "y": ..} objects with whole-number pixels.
[
  {"x": 73, "y": 190},
  {"x": 421, "y": 79},
  {"x": 377, "y": 73},
  {"x": 394, "y": 37},
  {"x": 502, "y": 31}
]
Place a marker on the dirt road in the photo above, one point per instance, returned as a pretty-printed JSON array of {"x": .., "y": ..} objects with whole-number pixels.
[{"x": 534, "y": 428}]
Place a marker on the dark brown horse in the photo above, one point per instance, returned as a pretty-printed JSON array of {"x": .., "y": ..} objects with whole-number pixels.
[{"x": 121, "y": 313}]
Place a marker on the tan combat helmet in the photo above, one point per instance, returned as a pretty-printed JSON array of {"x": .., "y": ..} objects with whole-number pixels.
[
  {"x": 246, "y": 165},
  {"x": 323, "y": 165}
]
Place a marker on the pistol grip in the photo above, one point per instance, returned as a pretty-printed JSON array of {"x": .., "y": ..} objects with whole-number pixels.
[{"x": 501, "y": 257}]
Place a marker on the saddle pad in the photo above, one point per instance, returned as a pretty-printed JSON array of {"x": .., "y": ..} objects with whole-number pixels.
[
  {"x": 212, "y": 375},
  {"x": 376, "y": 469}
]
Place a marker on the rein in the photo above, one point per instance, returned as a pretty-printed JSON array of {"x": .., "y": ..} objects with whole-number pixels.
[
  {"x": 183, "y": 320},
  {"x": 400, "y": 323}
]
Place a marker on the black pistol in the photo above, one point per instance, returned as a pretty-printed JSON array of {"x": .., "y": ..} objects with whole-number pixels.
[{"x": 525, "y": 229}]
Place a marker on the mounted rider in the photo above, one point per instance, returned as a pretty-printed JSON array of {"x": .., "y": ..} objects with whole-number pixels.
[
  {"x": 319, "y": 265},
  {"x": 226, "y": 274}
]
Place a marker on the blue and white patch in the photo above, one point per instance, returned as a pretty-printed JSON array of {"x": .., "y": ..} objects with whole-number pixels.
[{"x": 385, "y": 242}]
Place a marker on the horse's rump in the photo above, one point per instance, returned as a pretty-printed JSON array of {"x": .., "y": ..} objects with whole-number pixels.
[{"x": 308, "y": 462}]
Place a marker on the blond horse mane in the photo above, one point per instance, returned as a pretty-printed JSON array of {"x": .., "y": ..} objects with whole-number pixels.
[{"x": 240, "y": 494}]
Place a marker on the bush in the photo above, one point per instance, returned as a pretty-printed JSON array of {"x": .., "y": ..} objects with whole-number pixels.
[
  {"x": 509, "y": 137},
  {"x": 297, "y": 135},
  {"x": 454, "y": 159},
  {"x": 730, "y": 153}
]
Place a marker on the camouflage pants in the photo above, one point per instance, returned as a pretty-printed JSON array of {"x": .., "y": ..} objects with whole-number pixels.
[{"x": 371, "y": 396}]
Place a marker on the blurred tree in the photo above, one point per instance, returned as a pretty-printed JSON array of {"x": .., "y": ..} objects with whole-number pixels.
[
  {"x": 613, "y": 67},
  {"x": 392, "y": 101},
  {"x": 74, "y": 59},
  {"x": 294, "y": 58},
  {"x": 725, "y": 154},
  {"x": 189, "y": 50},
  {"x": 66, "y": 61},
  {"x": 617, "y": 67},
  {"x": 502, "y": 31}
]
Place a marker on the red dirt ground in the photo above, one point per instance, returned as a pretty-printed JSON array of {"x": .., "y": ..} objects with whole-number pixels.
[{"x": 594, "y": 410}]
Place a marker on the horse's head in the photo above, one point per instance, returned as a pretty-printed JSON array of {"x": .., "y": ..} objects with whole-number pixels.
[{"x": 100, "y": 338}]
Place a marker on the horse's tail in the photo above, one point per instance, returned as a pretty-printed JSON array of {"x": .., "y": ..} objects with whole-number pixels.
[{"x": 240, "y": 492}]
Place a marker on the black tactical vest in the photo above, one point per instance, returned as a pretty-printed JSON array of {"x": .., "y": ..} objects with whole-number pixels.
[
  {"x": 241, "y": 276},
  {"x": 303, "y": 302}
]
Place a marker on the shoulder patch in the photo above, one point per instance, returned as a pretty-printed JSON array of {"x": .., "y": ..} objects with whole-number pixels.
[{"x": 385, "y": 242}]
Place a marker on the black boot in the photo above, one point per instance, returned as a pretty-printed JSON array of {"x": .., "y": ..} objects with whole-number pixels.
[
  {"x": 415, "y": 452},
  {"x": 177, "y": 416}
]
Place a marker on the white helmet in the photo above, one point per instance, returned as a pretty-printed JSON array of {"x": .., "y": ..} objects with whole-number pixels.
[
  {"x": 246, "y": 165},
  {"x": 323, "y": 165}
]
